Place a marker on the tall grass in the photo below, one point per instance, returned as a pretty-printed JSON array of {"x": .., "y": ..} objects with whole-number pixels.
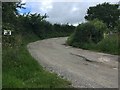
[
  {"x": 20, "y": 70},
  {"x": 110, "y": 44}
]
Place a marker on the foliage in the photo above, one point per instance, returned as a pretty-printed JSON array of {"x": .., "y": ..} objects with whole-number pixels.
[
  {"x": 108, "y": 13},
  {"x": 87, "y": 32},
  {"x": 42, "y": 28},
  {"x": 81, "y": 38},
  {"x": 20, "y": 70},
  {"x": 117, "y": 28},
  {"x": 8, "y": 12},
  {"x": 84, "y": 32},
  {"x": 110, "y": 44},
  {"x": 81, "y": 35},
  {"x": 100, "y": 28}
]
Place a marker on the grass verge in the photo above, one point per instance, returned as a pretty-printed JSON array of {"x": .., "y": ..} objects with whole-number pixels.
[
  {"x": 110, "y": 44},
  {"x": 21, "y": 70}
]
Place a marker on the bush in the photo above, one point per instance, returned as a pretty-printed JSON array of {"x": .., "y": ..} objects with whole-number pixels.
[
  {"x": 117, "y": 28},
  {"x": 87, "y": 32},
  {"x": 110, "y": 44},
  {"x": 100, "y": 28}
]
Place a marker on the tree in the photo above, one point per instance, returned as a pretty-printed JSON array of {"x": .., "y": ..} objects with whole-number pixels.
[
  {"x": 108, "y": 13},
  {"x": 9, "y": 11},
  {"x": 32, "y": 22}
]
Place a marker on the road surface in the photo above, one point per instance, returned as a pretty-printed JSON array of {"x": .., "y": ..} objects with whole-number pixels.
[{"x": 84, "y": 68}]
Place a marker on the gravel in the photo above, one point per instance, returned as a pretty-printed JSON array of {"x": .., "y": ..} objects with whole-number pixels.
[{"x": 84, "y": 68}]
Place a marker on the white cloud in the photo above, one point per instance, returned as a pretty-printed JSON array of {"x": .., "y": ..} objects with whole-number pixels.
[
  {"x": 70, "y": 0},
  {"x": 72, "y": 12},
  {"x": 74, "y": 9},
  {"x": 23, "y": 1},
  {"x": 46, "y": 5}
]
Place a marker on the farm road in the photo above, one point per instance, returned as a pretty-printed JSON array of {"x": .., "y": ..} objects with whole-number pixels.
[{"x": 84, "y": 68}]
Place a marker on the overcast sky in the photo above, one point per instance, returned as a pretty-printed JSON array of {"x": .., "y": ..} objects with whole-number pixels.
[{"x": 61, "y": 11}]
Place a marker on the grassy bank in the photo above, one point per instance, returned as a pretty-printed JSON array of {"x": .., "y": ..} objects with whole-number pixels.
[
  {"x": 21, "y": 70},
  {"x": 110, "y": 44},
  {"x": 92, "y": 35}
]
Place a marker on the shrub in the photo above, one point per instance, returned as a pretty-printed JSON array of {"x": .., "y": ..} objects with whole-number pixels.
[
  {"x": 100, "y": 28},
  {"x": 88, "y": 35},
  {"x": 110, "y": 44},
  {"x": 83, "y": 33},
  {"x": 87, "y": 32},
  {"x": 117, "y": 28}
]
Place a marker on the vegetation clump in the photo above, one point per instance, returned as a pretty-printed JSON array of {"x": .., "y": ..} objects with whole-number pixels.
[
  {"x": 88, "y": 32},
  {"x": 101, "y": 32},
  {"x": 19, "y": 68}
]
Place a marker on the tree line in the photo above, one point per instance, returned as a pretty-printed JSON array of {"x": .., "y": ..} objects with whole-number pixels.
[{"x": 35, "y": 23}]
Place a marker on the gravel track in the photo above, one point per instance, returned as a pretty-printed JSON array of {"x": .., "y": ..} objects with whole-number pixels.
[{"x": 84, "y": 68}]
